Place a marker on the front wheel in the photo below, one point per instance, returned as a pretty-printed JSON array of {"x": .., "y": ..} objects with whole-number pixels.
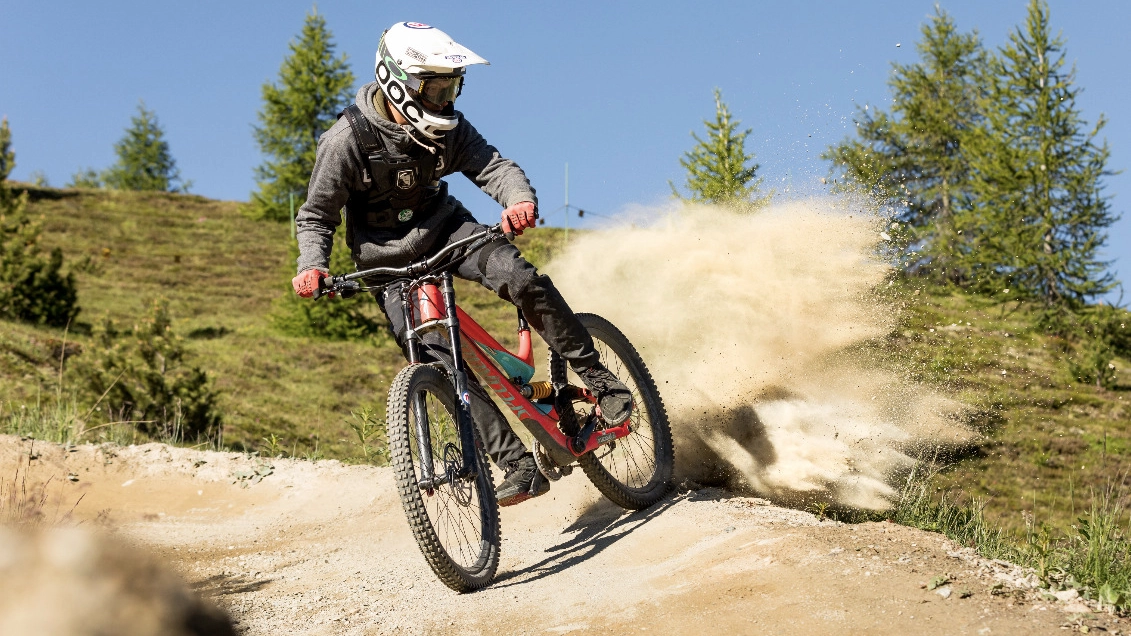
[
  {"x": 455, "y": 521},
  {"x": 635, "y": 471}
]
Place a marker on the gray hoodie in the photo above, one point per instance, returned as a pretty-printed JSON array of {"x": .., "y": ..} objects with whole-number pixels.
[{"x": 338, "y": 171}]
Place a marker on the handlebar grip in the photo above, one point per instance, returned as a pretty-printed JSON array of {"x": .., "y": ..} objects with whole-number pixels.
[
  {"x": 323, "y": 284},
  {"x": 510, "y": 236}
]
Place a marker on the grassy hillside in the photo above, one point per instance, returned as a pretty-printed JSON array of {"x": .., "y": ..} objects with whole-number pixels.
[
  {"x": 1048, "y": 442},
  {"x": 220, "y": 272}
]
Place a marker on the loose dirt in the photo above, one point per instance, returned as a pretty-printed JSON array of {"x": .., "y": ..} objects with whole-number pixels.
[{"x": 299, "y": 547}]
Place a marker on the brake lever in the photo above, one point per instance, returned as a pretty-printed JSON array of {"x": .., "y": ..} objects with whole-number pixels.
[{"x": 349, "y": 289}]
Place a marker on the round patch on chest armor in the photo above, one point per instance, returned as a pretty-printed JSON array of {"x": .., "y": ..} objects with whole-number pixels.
[{"x": 404, "y": 215}]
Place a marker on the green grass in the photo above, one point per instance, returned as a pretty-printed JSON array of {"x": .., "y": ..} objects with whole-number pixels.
[
  {"x": 1047, "y": 440},
  {"x": 220, "y": 272},
  {"x": 1092, "y": 555}
]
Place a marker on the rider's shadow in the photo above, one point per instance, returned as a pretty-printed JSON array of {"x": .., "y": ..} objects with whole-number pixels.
[{"x": 596, "y": 531}]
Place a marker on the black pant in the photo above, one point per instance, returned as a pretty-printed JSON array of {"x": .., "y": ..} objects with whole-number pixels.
[{"x": 501, "y": 268}]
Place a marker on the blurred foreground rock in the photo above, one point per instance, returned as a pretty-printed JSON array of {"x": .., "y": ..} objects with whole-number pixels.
[{"x": 71, "y": 582}]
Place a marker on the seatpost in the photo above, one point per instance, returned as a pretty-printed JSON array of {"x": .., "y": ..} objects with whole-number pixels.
[{"x": 463, "y": 402}]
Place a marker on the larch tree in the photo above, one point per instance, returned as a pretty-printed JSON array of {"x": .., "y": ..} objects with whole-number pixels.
[
  {"x": 1039, "y": 210},
  {"x": 719, "y": 170},
  {"x": 913, "y": 159},
  {"x": 312, "y": 88},
  {"x": 144, "y": 159}
]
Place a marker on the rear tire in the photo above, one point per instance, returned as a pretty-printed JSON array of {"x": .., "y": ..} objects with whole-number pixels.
[
  {"x": 456, "y": 524},
  {"x": 637, "y": 471}
]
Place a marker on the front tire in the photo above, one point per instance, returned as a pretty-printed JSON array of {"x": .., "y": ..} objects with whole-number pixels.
[
  {"x": 636, "y": 470},
  {"x": 456, "y": 525}
]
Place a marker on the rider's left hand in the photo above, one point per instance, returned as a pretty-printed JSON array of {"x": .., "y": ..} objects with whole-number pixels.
[{"x": 519, "y": 217}]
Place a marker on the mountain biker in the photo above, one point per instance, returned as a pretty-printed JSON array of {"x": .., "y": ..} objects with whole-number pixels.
[{"x": 383, "y": 161}]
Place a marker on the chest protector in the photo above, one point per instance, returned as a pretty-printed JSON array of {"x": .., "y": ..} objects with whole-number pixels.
[{"x": 402, "y": 188}]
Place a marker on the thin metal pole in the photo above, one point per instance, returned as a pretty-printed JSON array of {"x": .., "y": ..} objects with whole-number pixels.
[
  {"x": 567, "y": 201},
  {"x": 292, "y": 215}
]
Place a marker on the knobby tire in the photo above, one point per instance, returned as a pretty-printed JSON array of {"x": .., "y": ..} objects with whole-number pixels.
[
  {"x": 467, "y": 566},
  {"x": 638, "y": 472}
]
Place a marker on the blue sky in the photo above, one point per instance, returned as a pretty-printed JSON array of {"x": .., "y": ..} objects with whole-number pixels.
[{"x": 614, "y": 89}]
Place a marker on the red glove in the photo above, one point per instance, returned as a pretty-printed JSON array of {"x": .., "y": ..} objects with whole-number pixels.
[
  {"x": 307, "y": 282},
  {"x": 519, "y": 217}
]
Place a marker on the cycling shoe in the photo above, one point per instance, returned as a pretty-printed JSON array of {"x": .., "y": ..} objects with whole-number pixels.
[
  {"x": 612, "y": 395},
  {"x": 521, "y": 481}
]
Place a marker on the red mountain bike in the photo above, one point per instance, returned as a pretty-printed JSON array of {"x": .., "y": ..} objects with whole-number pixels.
[{"x": 443, "y": 477}]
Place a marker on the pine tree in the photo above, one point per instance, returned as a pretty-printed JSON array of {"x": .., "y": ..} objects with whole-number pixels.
[
  {"x": 7, "y": 164},
  {"x": 33, "y": 287},
  {"x": 144, "y": 160},
  {"x": 313, "y": 87},
  {"x": 717, "y": 168},
  {"x": 913, "y": 159},
  {"x": 1039, "y": 209}
]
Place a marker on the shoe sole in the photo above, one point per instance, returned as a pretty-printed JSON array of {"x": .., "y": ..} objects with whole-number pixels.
[
  {"x": 519, "y": 498},
  {"x": 516, "y": 499}
]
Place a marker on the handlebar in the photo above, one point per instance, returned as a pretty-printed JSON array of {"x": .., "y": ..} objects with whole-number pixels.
[{"x": 347, "y": 286}]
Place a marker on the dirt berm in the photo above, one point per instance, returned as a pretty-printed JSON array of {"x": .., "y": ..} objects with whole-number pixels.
[{"x": 299, "y": 547}]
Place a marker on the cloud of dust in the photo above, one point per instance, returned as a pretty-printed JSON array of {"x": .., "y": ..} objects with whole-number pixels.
[{"x": 748, "y": 324}]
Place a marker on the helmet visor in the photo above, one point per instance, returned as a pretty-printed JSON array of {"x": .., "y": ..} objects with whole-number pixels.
[{"x": 438, "y": 90}]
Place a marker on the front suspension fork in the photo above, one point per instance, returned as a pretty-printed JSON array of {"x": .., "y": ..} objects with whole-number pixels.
[{"x": 459, "y": 373}]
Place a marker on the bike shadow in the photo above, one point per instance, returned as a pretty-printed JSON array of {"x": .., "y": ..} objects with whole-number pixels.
[
  {"x": 226, "y": 584},
  {"x": 597, "y": 529}
]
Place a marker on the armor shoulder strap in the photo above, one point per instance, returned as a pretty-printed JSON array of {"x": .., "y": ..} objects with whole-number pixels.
[{"x": 364, "y": 135}]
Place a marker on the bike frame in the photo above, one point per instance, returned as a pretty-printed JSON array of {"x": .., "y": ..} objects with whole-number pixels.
[{"x": 429, "y": 303}]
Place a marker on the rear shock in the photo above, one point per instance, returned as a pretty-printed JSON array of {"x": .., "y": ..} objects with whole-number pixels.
[{"x": 536, "y": 390}]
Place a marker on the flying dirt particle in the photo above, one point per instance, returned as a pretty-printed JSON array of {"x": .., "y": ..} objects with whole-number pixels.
[{"x": 793, "y": 286}]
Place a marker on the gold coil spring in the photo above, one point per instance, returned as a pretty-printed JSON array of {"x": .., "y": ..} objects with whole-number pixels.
[{"x": 539, "y": 390}]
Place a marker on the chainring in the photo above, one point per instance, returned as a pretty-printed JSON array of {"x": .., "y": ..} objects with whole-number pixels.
[{"x": 547, "y": 466}]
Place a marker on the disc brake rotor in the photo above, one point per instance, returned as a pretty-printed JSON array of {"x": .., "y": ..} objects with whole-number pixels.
[{"x": 453, "y": 463}]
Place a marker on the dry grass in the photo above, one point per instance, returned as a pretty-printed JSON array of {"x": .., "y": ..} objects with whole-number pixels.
[{"x": 28, "y": 502}]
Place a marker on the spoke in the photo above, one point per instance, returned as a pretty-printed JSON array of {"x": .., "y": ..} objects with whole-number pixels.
[{"x": 457, "y": 526}]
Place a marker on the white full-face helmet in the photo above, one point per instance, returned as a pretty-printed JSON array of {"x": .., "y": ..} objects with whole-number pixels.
[{"x": 420, "y": 70}]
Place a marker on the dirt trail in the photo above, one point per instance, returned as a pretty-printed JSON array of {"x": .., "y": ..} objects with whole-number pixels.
[{"x": 323, "y": 548}]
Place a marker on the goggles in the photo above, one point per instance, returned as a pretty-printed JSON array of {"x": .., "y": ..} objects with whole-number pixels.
[{"x": 436, "y": 90}]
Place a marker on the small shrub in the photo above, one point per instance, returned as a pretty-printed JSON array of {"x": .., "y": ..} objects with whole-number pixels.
[
  {"x": 33, "y": 286},
  {"x": 141, "y": 376},
  {"x": 1095, "y": 336},
  {"x": 86, "y": 178},
  {"x": 325, "y": 318},
  {"x": 371, "y": 435}
]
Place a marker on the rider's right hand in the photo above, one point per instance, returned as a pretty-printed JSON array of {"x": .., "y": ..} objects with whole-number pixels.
[
  {"x": 519, "y": 217},
  {"x": 307, "y": 282}
]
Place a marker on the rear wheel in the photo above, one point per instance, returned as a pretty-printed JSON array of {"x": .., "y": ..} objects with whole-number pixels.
[
  {"x": 636, "y": 470},
  {"x": 456, "y": 521}
]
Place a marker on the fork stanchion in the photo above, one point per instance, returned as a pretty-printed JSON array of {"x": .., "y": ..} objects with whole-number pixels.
[{"x": 463, "y": 396}]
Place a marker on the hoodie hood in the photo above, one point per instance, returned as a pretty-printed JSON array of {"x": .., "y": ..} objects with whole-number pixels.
[{"x": 371, "y": 101}]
